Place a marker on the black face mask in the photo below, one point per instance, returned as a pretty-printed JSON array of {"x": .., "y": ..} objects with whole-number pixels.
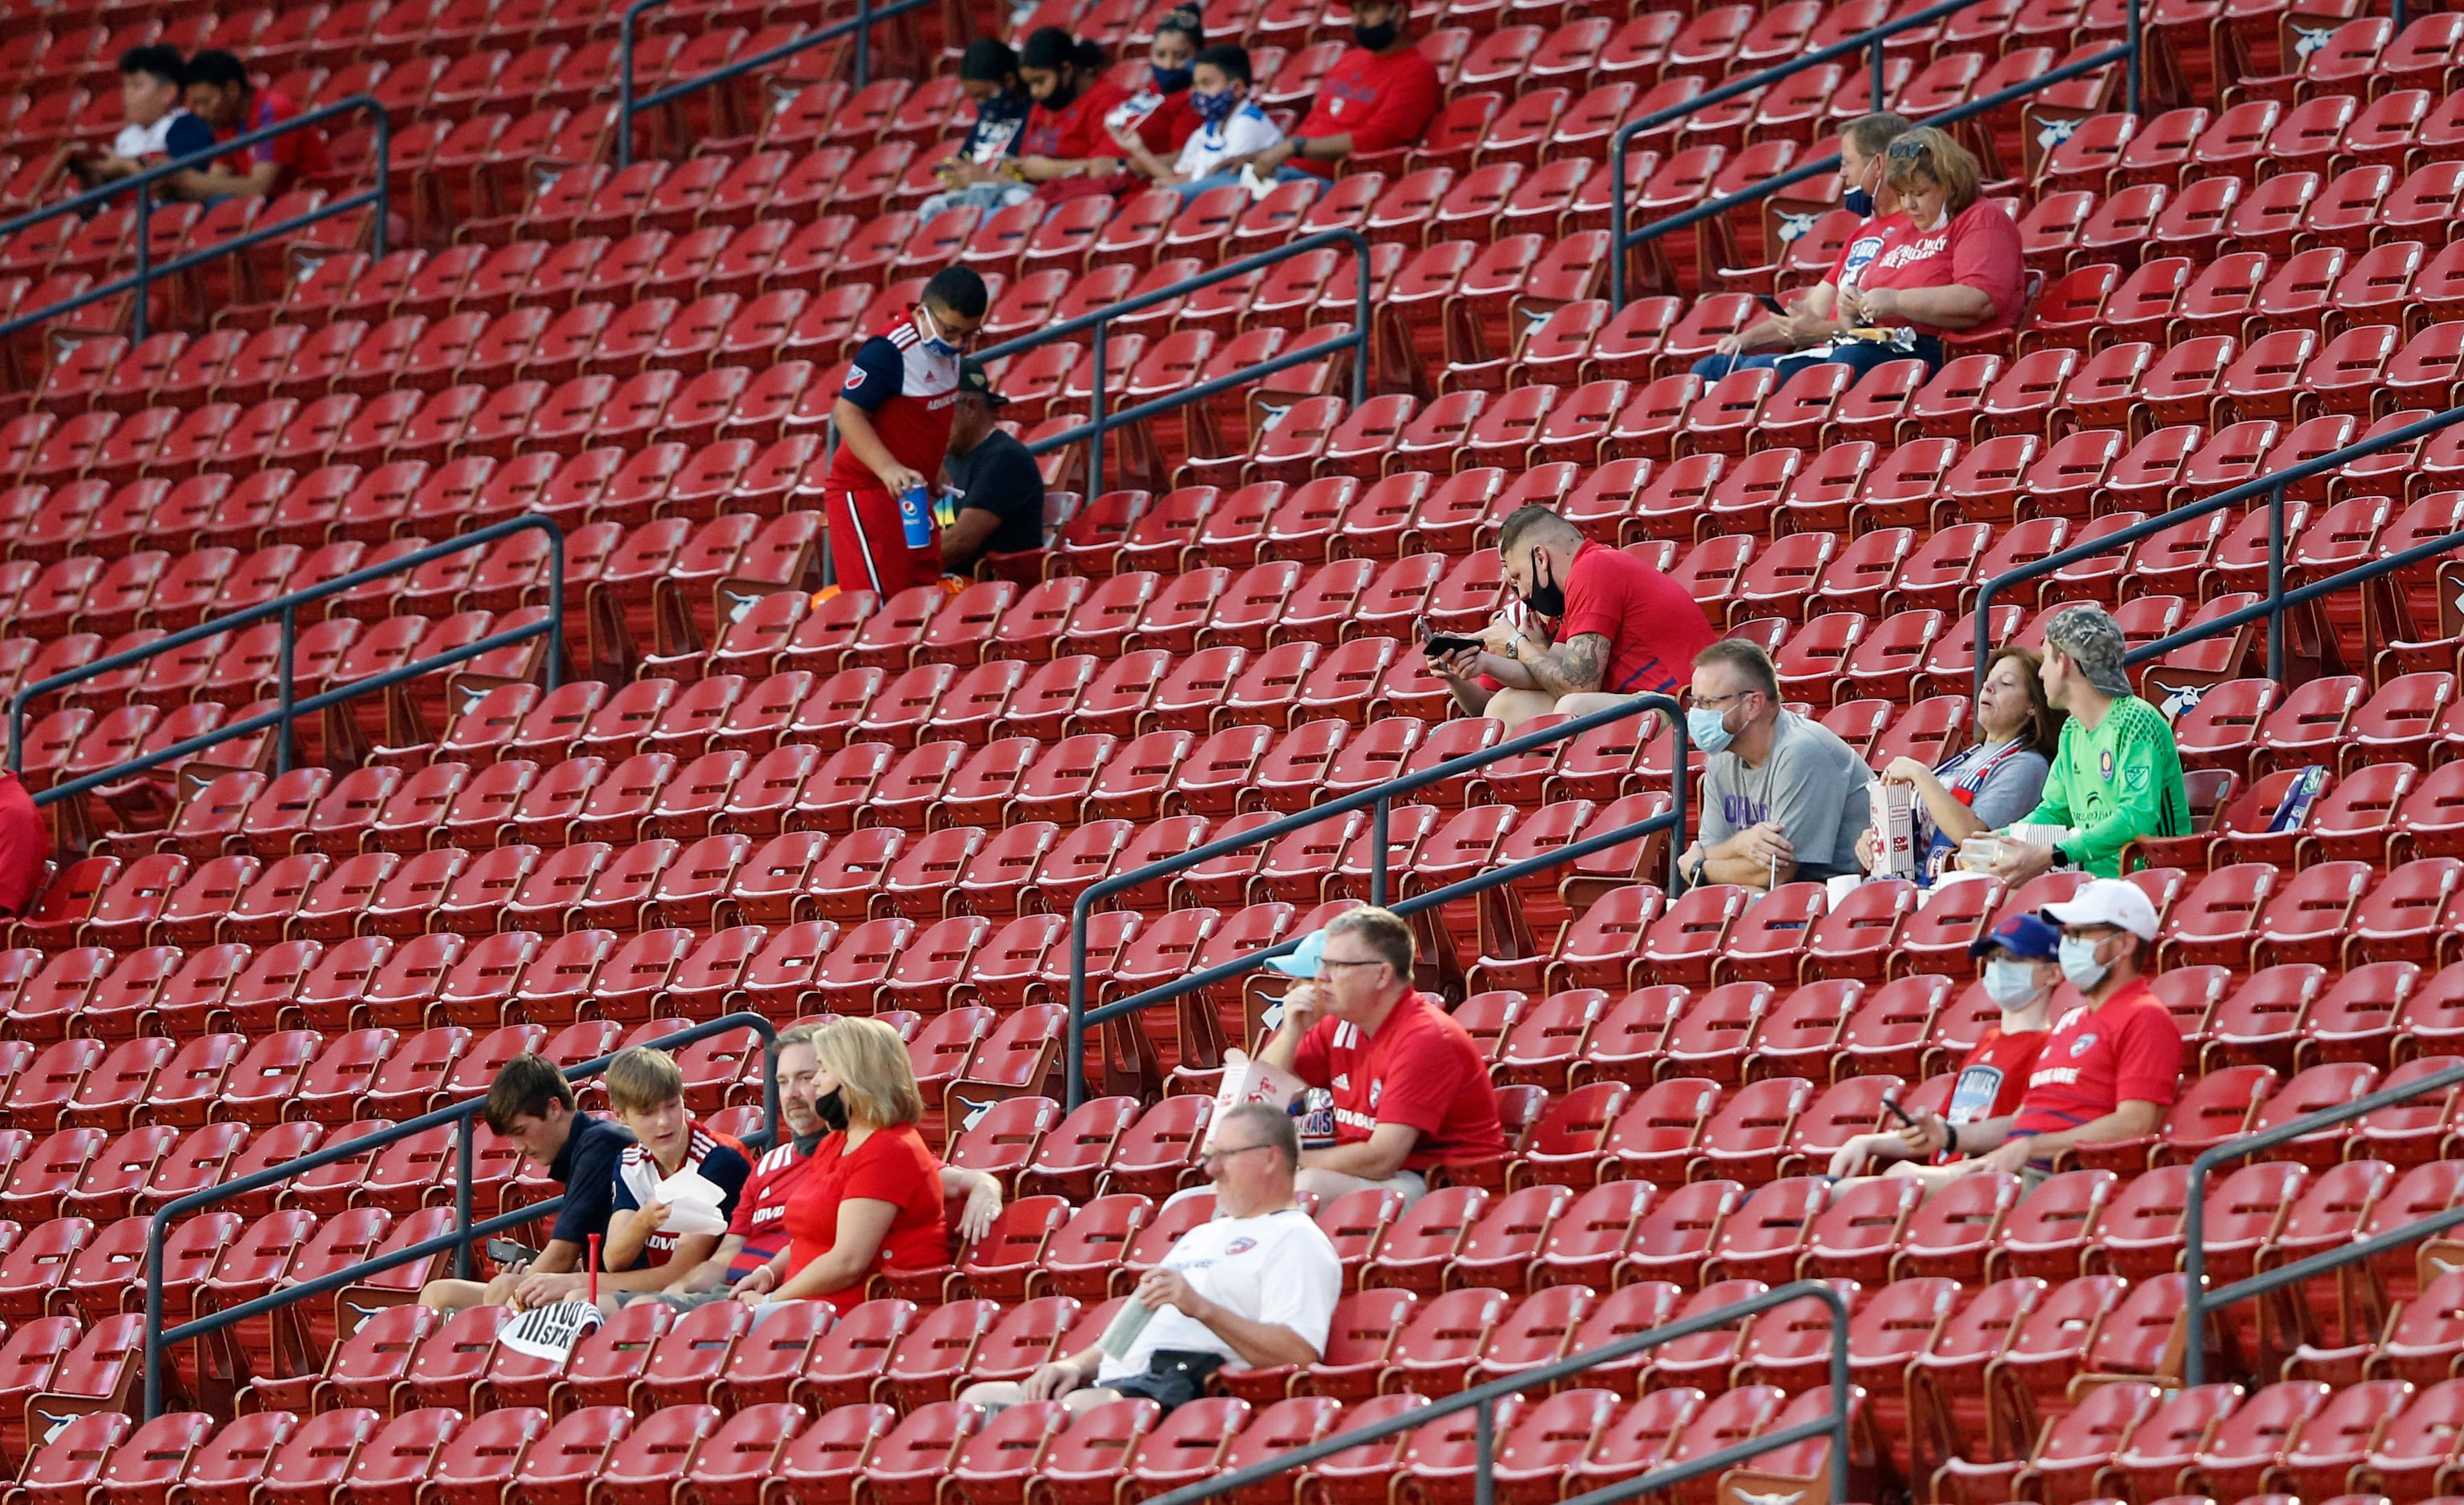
[
  {"x": 1064, "y": 93},
  {"x": 1549, "y": 599},
  {"x": 831, "y": 1111},
  {"x": 1379, "y": 37},
  {"x": 806, "y": 1143}
]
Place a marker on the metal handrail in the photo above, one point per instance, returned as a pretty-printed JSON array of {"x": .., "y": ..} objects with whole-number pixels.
[
  {"x": 459, "y": 1115},
  {"x": 2194, "y": 1216},
  {"x": 142, "y": 183},
  {"x": 1483, "y": 1399},
  {"x": 1100, "y": 422},
  {"x": 1378, "y": 799},
  {"x": 1624, "y": 238},
  {"x": 859, "y": 26},
  {"x": 2279, "y": 599},
  {"x": 287, "y": 607}
]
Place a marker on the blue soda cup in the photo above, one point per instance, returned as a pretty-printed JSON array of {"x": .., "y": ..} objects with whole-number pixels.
[{"x": 916, "y": 516}]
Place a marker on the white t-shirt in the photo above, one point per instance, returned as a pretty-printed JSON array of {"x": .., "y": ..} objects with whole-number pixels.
[
  {"x": 1278, "y": 1269},
  {"x": 1245, "y": 130},
  {"x": 137, "y": 143}
]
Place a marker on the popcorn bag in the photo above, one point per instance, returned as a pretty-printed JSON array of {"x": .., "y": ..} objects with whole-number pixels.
[
  {"x": 1250, "y": 1079},
  {"x": 1895, "y": 829}
]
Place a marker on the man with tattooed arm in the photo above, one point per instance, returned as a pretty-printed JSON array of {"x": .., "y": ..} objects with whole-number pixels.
[{"x": 1589, "y": 626}]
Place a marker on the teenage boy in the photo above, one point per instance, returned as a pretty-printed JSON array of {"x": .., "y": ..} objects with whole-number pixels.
[
  {"x": 646, "y": 1090},
  {"x": 531, "y": 1103}
]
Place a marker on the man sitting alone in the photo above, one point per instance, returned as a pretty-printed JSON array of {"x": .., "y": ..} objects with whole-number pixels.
[
  {"x": 1254, "y": 1288},
  {"x": 1411, "y": 1090},
  {"x": 1621, "y": 628}
]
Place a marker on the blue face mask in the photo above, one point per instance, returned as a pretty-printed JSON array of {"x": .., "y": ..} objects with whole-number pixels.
[
  {"x": 1707, "y": 730},
  {"x": 1213, "y": 108},
  {"x": 1857, "y": 202},
  {"x": 935, "y": 341},
  {"x": 1169, "y": 80}
]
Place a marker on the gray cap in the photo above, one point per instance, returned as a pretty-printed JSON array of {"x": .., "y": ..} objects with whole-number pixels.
[{"x": 2090, "y": 638}]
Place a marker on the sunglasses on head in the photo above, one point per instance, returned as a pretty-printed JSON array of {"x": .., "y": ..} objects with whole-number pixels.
[{"x": 1909, "y": 151}]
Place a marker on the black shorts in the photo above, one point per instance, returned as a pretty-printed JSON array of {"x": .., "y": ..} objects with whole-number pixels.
[{"x": 1175, "y": 1377}]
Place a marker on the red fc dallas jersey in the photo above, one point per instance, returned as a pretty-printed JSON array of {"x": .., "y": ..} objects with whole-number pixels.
[{"x": 910, "y": 395}]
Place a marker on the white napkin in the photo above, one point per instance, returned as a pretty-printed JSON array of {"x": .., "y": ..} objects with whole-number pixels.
[{"x": 692, "y": 1202}]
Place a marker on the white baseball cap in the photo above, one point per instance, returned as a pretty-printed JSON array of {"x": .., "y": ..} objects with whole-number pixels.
[{"x": 2108, "y": 900}]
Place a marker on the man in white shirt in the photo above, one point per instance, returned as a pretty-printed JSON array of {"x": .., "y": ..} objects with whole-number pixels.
[
  {"x": 1231, "y": 128},
  {"x": 1254, "y": 1288},
  {"x": 158, "y": 128}
]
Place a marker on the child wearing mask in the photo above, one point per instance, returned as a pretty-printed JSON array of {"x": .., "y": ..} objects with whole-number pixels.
[
  {"x": 2021, "y": 971},
  {"x": 1231, "y": 126}
]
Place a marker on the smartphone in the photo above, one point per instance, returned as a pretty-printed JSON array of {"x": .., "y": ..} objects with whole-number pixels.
[
  {"x": 506, "y": 1252},
  {"x": 1900, "y": 1113},
  {"x": 1771, "y": 304},
  {"x": 1448, "y": 643}
]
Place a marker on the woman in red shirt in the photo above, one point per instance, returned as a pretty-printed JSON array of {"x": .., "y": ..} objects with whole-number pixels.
[
  {"x": 873, "y": 1197},
  {"x": 1952, "y": 264}
]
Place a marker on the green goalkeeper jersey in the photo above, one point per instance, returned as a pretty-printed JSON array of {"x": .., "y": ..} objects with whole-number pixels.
[{"x": 2120, "y": 780}]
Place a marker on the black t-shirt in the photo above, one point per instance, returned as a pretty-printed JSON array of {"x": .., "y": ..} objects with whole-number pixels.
[
  {"x": 586, "y": 1167},
  {"x": 998, "y": 476}
]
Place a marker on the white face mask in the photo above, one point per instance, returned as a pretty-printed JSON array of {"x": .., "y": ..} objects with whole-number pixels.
[
  {"x": 2080, "y": 965},
  {"x": 2011, "y": 984}
]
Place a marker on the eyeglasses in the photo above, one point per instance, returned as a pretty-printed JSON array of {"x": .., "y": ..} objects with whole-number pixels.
[
  {"x": 1909, "y": 151},
  {"x": 1715, "y": 702},
  {"x": 1216, "y": 1157}
]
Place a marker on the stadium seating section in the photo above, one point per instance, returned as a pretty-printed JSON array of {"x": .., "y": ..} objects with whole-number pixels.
[{"x": 744, "y": 798}]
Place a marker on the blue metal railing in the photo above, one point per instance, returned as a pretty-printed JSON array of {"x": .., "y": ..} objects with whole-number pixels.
[
  {"x": 2279, "y": 599},
  {"x": 142, "y": 184},
  {"x": 858, "y": 25},
  {"x": 459, "y": 1116},
  {"x": 1379, "y": 800},
  {"x": 1100, "y": 421},
  {"x": 2195, "y": 1214},
  {"x": 1624, "y": 238},
  {"x": 290, "y": 707}
]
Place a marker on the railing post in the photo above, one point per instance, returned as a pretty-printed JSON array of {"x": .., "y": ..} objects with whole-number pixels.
[
  {"x": 863, "y": 44},
  {"x": 1882, "y": 93},
  {"x": 1095, "y": 416},
  {"x": 2134, "y": 69},
  {"x": 465, "y": 1134},
  {"x": 289, "y": 693},
  {"x": 2276, "y": 582},
  {"x": 144, "y": 259},
  {"x": 1681, "y": 751},
  {"x": 1363, "y": 311},
  {"x": 154, "y": 1227},
  {"x": 1073, "y": 1053},
  {"x": 1617, "y": 224},
  {"x": 385, "y": 184},
  {"x": 1378, "y": 819},
  {"x": 556, "y": 607},
  {"x": 1483, "y": 1479},
  {"x": 625, "y": 89}
]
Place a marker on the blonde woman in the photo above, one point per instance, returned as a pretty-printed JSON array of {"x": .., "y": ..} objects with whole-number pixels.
[
  {"x": 873, "y": 1197},
  {"x": 1951, "y": 264}
]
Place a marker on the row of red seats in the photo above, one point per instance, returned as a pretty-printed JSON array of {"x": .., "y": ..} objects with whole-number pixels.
[
  {"x": 2402, "y": 123},
  {"x": 776, "y": 1449},
  {"x": 287, "y": 1076}
]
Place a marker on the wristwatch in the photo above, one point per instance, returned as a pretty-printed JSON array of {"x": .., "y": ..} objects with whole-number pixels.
[{"x": 1513, "y": 650}]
